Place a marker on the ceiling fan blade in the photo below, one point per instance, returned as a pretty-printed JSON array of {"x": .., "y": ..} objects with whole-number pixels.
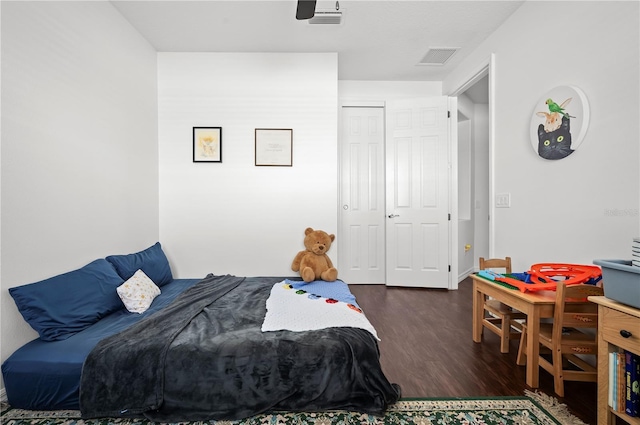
[{"x": 306, "y": 9}]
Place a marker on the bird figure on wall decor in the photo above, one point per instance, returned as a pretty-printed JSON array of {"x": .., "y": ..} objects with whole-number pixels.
[{"x": 554, "y": 107}]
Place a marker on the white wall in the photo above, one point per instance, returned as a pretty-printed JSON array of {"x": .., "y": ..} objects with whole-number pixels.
[
  {"x": 351, "y": 91},
  {"x": 234, "y": 217},
  {"x": 79, "y": 144},
  {"x": 585, "y": 206}
]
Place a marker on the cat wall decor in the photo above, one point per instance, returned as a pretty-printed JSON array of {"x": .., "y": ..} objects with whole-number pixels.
[
  {"x": 555, "y": 144},
  {"x": 559, "y": 122}
]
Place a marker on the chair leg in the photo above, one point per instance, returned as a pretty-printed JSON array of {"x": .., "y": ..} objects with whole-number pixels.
[
  {"x": 558, "y": 378},
  {"x": 505, "y": 334},
  {"x": 522, "y": 348}
]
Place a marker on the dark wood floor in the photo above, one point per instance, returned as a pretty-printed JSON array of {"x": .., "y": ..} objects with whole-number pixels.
[{"x": 427, "y": 348}]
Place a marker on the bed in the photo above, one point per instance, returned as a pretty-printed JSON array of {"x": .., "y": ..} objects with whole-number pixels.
[{"x": 221, "y": 347}]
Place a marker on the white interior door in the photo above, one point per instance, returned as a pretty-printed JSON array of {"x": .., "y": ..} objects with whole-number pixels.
[
  {"x": 361, "y": 255},
  {"x": 417, "y": 193}
]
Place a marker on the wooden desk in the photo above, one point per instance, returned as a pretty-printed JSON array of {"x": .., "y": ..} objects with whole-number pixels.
[
  {"x": 613, "y": 318},
  {"x": 536, "y": 305}
]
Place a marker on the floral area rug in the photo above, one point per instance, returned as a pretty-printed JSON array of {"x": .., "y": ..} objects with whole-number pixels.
[{"x": 533, "y": 408}]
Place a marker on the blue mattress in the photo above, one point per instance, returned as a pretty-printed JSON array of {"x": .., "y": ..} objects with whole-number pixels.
[{"x": 46, "y": 375}]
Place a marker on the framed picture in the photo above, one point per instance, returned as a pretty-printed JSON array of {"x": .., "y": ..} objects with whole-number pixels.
[
  {"x": 274, "y": 147},
  {"x": 207, "y": 144},
  {"x": 559, "y": 122}
]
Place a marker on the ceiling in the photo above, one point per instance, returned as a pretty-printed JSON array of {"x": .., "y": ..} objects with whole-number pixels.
[{"x": 377, "y": 40}]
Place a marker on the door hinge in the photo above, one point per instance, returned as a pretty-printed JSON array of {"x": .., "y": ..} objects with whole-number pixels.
[
  {"x": 449, "y": 267},
  {"x": 449, "y": 218},
  {"x": 448, "y": 114}
]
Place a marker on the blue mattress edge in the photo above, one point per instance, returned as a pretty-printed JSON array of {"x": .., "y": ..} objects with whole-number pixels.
[{"x": 43, "y": 375}]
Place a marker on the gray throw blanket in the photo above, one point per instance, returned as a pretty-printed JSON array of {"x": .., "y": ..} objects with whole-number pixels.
[{"x": 204, "y": 357}]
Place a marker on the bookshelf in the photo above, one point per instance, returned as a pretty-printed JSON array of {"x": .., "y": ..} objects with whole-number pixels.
[{"x": 614, "y": 320}]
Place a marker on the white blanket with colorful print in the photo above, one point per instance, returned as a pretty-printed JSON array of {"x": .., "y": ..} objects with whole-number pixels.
[{"x": 298, "y": 306}]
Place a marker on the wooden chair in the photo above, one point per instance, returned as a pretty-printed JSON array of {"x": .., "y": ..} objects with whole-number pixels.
[
  {"x": 565, "y": 338},
  {"x": 499, "y": 318}
]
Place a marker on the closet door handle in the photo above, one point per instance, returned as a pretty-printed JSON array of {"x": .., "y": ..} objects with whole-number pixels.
[{"x": 393, "y": 215}]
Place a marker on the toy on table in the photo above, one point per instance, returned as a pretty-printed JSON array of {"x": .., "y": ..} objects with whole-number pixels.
[
  {"x": 489, "y": 274},
  {"x": 545, "y": 276}
]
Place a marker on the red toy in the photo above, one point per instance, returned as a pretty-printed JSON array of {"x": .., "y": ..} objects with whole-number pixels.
[{"x": 545, "y": 276}]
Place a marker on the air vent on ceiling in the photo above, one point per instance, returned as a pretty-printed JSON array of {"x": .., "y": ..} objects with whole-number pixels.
[
  {"x": 438, "y": 55},
  {"x": 326, "y": 18}
]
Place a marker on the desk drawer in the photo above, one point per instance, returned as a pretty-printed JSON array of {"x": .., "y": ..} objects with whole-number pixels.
[{"x": 614, "y": 321}]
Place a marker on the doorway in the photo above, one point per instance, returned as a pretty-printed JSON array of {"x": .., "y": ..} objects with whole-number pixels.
[
  {"x": 475, "y": 234},
  {"x": 395, "y": 176},
  {"x": 361, "y": 253}
]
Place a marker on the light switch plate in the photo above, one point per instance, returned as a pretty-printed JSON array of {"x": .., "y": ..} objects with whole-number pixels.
[{"x": 503, "y": 200}]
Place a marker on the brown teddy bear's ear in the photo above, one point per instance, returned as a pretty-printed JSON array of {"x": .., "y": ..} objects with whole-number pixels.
[
  {"x": 308, "y": 230},
  {"x": 332, "y": 237}
]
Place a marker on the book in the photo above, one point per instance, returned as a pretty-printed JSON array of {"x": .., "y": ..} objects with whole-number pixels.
[
  {"x": 628, "y": 368},
  {"x": 635, "y": 385},
  {"x": 612, "y": 377},
  {"x": 621, "y": 383}
]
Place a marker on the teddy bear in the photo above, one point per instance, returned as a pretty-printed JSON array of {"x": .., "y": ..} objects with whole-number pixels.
[{"x": 313, "y": 263}]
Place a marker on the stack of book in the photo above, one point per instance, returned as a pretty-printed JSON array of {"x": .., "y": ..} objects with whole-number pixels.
[
  {"x": 635, "y": 252},
  {"x": 624, "y": 375}
]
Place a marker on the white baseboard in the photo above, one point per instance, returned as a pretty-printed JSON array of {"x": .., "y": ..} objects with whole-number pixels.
[
  {"x": 464, "y": 275},
  {"x": 3, "y": 395}
]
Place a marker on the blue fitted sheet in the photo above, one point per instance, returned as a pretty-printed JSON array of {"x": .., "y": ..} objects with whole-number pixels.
[{"x": 46, "y": 375}]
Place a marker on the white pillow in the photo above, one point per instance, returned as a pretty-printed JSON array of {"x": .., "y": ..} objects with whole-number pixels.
[{"x": 138, "y": 292}]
